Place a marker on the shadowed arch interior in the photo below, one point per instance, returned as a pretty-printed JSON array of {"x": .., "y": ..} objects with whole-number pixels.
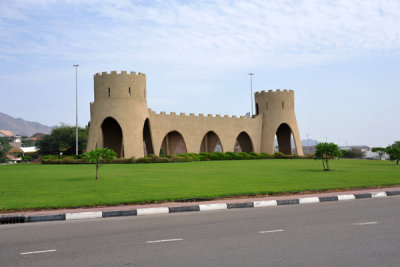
[
  {"x": 211, "y": 143},
  {"x": 173, "y": 144},
  {"x": 112, "y": 136},
  {"x": 243, "y": 143},
  {"x": 147, "y": 141},
  {"x": 283, "y": 135}
]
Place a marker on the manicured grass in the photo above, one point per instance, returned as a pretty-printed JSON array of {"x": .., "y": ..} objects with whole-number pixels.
[{"x": 33, "y": 186}]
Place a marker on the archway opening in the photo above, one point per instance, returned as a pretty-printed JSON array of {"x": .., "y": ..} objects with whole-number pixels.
[
  {"x": 147, "y": 141},
  {"x": 173, "y": 144},
  {"x": 243, "y": 143},
  {"x": 284, "y": 139},
  {"x": 211, "y": 143},
  {"x": 112, "y": 136}
]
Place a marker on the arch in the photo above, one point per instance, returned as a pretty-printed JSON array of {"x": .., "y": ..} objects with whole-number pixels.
[
  {"x": 173, "y": 144},
  {"x": 243, "y": 143},
  {"x": 283, "y": 136},
  {"x": 211, "y": 143},
  {"x": 257, "y": 110},
  {"x": 147, "y": 140},
  {"x": 112, "y": 136}
]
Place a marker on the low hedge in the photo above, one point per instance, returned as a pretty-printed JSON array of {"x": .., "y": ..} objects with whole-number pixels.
[{"x": 187, "y": 157}]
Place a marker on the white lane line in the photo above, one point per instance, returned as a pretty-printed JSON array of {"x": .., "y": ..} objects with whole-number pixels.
[
  {"x": 164, "y": 240},
  {"x": 271, "y": 231},
  {"x": 366, "y": 223},
  {"x": 39, "y": 251}
]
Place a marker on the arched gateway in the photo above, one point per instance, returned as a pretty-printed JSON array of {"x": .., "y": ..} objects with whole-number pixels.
[{"x": 132, "y": 129}]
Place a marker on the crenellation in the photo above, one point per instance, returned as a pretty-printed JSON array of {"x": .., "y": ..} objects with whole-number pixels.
[{"x": 182, "y": 114}]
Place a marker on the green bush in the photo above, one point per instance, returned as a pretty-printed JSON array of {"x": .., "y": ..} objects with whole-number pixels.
[
  {"x": 216, "y": 156},
  {"x": 124, "y": 160}
]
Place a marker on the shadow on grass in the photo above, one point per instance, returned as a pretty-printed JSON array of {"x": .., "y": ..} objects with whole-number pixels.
[{"x": 320, "y": 170}]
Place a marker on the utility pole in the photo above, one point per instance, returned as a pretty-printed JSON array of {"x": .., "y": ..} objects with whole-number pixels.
[
  {"x": 251, "y": 91},
  {"x": 76, "y": 107}
]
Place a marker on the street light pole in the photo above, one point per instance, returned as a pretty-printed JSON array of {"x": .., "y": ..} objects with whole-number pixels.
[
  {"x": 251, "y": 90},
  {"x": 76, "y": 107}
]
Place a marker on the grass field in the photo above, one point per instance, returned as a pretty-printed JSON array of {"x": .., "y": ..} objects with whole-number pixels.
[{"x": 34, "y": 186}]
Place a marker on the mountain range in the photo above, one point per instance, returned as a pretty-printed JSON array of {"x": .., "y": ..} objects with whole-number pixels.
[{"x": 22, "y": 127}]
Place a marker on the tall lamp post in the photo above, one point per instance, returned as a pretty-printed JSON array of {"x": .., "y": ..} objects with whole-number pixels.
[
  {"x": 76, "y": 107},
  {"x": 251, "y": 91}
]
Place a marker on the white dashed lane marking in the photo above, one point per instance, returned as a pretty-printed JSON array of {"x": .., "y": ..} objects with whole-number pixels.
[
  {"x": 271, "y": 231},
  {"x": 37, "y": 252},
  {"x": 164, "y": 240},
  {"x": 366, "y": 223}
]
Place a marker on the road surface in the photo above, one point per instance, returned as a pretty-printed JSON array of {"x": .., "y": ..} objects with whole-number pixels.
[{"x": 345, "y": 233}]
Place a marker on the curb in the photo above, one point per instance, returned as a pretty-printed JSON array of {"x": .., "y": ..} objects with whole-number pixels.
[{"x": 21, "y": 218}]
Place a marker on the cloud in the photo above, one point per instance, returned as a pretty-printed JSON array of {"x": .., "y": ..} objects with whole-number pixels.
[{"x": 225, "y": 35}]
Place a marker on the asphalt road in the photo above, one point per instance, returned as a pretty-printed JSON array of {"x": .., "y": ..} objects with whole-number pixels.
[{"x": 345, "y": 233}]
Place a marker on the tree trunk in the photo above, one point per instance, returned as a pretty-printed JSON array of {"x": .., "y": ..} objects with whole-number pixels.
[
  {"x": 397, "y": 162},
  {"x": 323, "y": 164},
  {"x": 97, "y": 167},
  {"x": 327, "y": 165}
]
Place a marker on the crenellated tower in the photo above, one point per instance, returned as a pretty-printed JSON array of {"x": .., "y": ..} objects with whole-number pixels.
[
  {"x": 279, "y": 118},
  {"x": 118, "y": 112}
]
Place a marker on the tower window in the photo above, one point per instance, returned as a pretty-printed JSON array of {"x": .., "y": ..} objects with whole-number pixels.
[
  {"x": 109, "y": 92},
  {"x": 283, "y": 105},
  {"x": 129, "y": 91},
  {"x": 257, "y": 109},
  {"x": 267, "y": 105}
]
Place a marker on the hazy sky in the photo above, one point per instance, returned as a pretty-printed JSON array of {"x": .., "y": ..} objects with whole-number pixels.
[{"x": 340, "y": 57}]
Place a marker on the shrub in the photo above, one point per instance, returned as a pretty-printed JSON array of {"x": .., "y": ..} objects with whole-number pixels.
[
  {"x": 229, "y": 155},
  {"x": 216, "y": 156},
  {"x": 124, "y": 160}
]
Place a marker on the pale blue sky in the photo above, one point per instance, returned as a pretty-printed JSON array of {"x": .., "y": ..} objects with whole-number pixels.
[{"x": 340, "y": 57}]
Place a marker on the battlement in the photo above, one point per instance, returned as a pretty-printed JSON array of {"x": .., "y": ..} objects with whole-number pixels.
[
  {"x": 122, "y": 73},
  {"x": 200, "y": 115},
  {"x": 275, "y": 93}
]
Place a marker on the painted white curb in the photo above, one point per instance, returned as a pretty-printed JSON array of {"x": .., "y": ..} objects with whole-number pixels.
[
  {"x": 218, "y": 206},
  {"x": 151, "y": 211},
  {"x": 305, "y": 200},
  {"x": 346, "y": 197},
  {"x": 379, "y": 194},
  {"x": 83, "y": 215},
  {"x": 265, "y": 203}
]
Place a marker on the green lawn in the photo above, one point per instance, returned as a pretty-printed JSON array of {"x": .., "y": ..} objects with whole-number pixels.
[{"x": 34, "y": 186}]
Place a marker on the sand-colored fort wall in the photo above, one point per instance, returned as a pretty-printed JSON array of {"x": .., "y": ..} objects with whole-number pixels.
[{"x": 121, "y": 120}]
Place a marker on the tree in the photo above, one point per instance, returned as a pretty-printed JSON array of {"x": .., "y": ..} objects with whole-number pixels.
[
  {"x": 4, "y": 148},
  {"x": 100, "y": 156},
  {"x": 326, "y": 151},
  {"x": 394, "y": 152},
  {"x": 380, "y": 150},
  {"x": 352, "y": 153},
  {"x": 62, "y": 139}
]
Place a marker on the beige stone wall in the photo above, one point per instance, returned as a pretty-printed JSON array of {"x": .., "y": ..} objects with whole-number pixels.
[
  {"x": 194, "y": 128},
  {"x": 122, "y": 96}
]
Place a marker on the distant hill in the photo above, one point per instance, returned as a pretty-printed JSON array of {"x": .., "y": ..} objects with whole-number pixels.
[{"x": 22, "y": 127}]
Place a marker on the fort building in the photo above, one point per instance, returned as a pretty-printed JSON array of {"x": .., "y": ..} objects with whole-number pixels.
[{"x": 121, "y": 120}]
